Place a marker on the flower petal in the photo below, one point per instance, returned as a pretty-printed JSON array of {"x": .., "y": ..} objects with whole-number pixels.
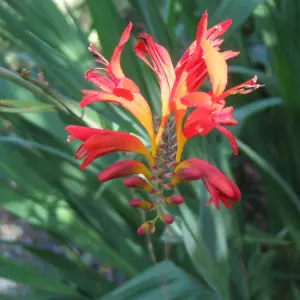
[
  {"x": 243, "y": 88},
  {"x": 119, "y": 141},
  {"x": 114, "y": 67},
  {"x": 202, "y": 28},
  {"x": 186, "y": 174},
  {"x": 138, "y": 183},
  {"x": 82, "y": 133},
  {"x": 138, "y": 107},
  {"x": 218, "y": 30},
  {"x": 161, "y": 64},
  {"x": 217, "y": 183},
  {"x": 229, "y": 136},
  {"x": 217, "y": 68},
  {"x": 100, "y": 80},
  {"x": 99, "y": 142},
  {"x": 100, "y": 57},
  {"x": 124, "y": 168},
  {"x": 224, "y": 116},
  {"x": 196, "y": 99},
  {"x": 198, "y": 122},
  {"x": 214, "y": 197}
]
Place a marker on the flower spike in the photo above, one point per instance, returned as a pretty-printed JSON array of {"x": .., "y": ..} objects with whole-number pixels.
[{"x": 168, "y": 133}]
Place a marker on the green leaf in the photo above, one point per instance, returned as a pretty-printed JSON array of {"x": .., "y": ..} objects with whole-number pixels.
[
  {"x": 282, "y": 196},
  {"x": 74, "y": 271},
  {"x": 162, "y": 280},
  {"x": 236, "y": 10},
  {"x": 244, "y": 112},
  {"x": 30, "y": 277}
]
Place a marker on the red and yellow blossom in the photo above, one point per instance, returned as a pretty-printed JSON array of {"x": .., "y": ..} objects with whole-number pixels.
[{"x": 179, "y": 86}]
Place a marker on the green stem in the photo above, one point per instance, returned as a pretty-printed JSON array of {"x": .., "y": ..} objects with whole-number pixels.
[
  {"x": 16, "y": 78},
  {"x": 43, "y": 92}
]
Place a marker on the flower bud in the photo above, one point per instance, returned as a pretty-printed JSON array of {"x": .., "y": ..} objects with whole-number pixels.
[
  {"x": 139, "y": 183},
  {"x": 146, "y": 227},
  {"x": 174, "y": 200},
  {"x": 166, "y": 218},
  {"x": 140, "y": 203}
]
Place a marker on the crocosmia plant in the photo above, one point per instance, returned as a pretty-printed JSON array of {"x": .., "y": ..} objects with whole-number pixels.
[{"x": 179, "y": 88}]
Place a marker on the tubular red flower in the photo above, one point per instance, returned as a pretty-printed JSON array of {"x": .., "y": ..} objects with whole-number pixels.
[
  {"x": 163, "y": 67},
  {"x": 192, "y": 70},
  {"x": 98, "y": 142},
  {"x": 208, "y": 115},
  {"x": 124, "y": 168},
  {"x": 118, "y": 89},
  {"x": 219, "y": 186},
  {"x": 138, "y": 107}
]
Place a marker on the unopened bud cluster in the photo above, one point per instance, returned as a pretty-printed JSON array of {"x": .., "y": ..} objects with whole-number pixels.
[{"x": 160, "y": 182}]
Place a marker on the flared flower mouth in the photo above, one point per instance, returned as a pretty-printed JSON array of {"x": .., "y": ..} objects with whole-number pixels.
[{"x": 162, "y": 168}]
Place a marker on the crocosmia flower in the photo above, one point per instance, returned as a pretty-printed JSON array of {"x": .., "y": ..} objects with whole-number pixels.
[{"x": 161, "y": 167}]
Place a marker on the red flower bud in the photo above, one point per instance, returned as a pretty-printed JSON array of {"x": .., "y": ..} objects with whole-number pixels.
[
  {"x": 139, "y": 183},
  {"x": 174, "y": 200},
  {"x": 140, "y": 203},
  {"x": 146, "y": 227},
  {"x": 167, "y": 218}
]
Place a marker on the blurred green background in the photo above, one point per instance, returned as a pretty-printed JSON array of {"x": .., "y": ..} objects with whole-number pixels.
[{"x": 92, "y": 251}]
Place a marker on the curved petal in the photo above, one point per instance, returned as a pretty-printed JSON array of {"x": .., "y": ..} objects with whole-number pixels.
[
  {"x": 243, "y": 88},
  {"x": 128, "y": 84},
  {"x": 82, "y": 133},
  {"x": 124, "y": 168},
  {"x": 198, "y": 122},
  {"x": 202, "y": 28},
  {"x": 217, "y": 183},
  {"x": 114, "y": 67},
  {"x": 229, "y": 136},
  {"x": 138, "y": 107},
  {"x": 100, "y": 58},
  {"x": 218, "y": 30},
  {"x": 91, "y": 156},
  {"x": 224, "y": 116},
  {"x": 99, "y": 142},
  {"x": 217, "y": 68},
  {"x": 229, "y": 54},
  {"x": 201, "y": 34},
  {"x": 214, "y": 196},
  {"x": 119, "y": 141},
  {"x": 196, "y": 99},
  {"x": 138, "y": 183},
  {"x": 186, "y": 174},
  {"x": 161, "y": 64},
  {"x": 100, "y": 80}
]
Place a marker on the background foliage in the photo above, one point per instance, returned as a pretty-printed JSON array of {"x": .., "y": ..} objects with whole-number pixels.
[{"x": 250, "y": 252}]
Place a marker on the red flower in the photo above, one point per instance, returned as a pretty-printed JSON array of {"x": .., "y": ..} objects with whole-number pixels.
[
  {"x": 99, "y": 142},
  {"x": 218, "y": 185},
  {"x": 118, "y": 89},
  {"x": 186, "y": 77},
  {"x": 124, "y": 168},
  {"x": 179, "y": 89}
]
